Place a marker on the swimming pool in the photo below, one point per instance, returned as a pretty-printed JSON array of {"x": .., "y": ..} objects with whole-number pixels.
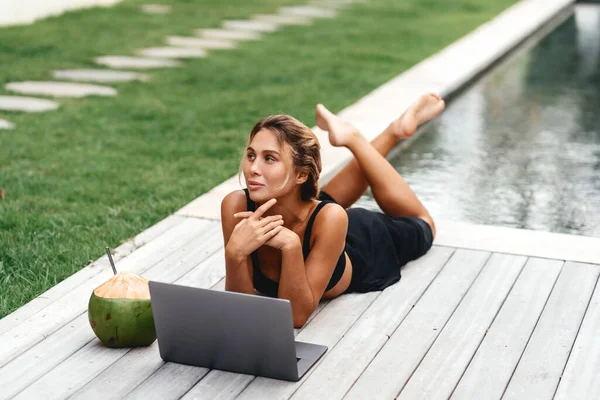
[{"x": 520, "y": 147}]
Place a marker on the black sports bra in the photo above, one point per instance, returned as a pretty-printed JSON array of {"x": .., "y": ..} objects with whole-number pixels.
[{"x": 269, "y": 287}]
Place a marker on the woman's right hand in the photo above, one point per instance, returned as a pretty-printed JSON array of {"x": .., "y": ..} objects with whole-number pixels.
[{"x": 253, "y": 231}]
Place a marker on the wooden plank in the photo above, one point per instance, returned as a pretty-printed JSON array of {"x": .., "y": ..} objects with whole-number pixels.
[
  {"x": 58, "y": 383},
  {"x": 50, "y": 319},
  {"x": 191, "y": 253},
  {"x": 399, "y": 355},
  {"x": 219, "y": 385},
  {"x": 440, "y": 370},
  {"x": 221, "y": 284},
  {"x": 504, "y": 343},
  {"x": 539, "y": 370},
  {"x": 99, "y": 266},
  {"x": 157, "y": 230},
  {"x": 580, "y": 378},
  {"x": 346, "y": 362},
  {"x": 34, "y": 363},
  {"x": 342, "y": 313},
  {"x": 171, "y": 379},
  {"x": 167, "y": 380},
  {"x": 331, "y": 323},
  {"x": 153, "y": 386},
  {"x": 118, "y": 379},
  {"x": 43, "y": 357}
]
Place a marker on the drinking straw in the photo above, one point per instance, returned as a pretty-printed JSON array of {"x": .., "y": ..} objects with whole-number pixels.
[{"x": 112, "y": 264}]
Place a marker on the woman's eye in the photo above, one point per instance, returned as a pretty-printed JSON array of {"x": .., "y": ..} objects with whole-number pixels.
[
  {"x": 269, "y": 158},
  {"x": 250, "y": 156}
]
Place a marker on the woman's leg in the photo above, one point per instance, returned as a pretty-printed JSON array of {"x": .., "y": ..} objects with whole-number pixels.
[{"x": 351, "y": 182}]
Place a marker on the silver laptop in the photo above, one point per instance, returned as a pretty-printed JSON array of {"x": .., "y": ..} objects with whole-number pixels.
[{"x": 229, "y": 331}]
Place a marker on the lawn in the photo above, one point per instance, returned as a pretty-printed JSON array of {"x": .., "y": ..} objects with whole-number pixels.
[{"x": 100, "y": 170}]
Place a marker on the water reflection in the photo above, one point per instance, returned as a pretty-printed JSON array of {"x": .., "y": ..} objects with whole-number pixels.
[{"x": 521, "y": 147}]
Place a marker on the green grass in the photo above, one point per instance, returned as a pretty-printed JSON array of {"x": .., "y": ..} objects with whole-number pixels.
[{"x": 100, "y": 170}]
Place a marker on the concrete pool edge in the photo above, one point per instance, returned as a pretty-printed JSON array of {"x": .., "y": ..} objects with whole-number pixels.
[
  {"x": 444, "y": 72},
  {"x": 524, "y": 242}
]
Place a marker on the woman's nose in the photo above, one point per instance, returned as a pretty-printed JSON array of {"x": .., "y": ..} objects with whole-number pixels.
[{"x": 255, "y": 168}]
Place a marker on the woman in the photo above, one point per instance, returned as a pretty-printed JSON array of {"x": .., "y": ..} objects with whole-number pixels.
[{"x": 285, "y": 239}]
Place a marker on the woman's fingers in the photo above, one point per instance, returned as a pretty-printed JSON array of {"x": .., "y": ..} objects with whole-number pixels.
[
  {"x": 267, "y": 220},
  {"x": 262, "y": 209},
  {"x": 273, "y": 232},
  {"x": 272, "y": 225},
  {"x": 243, "y": 214}
]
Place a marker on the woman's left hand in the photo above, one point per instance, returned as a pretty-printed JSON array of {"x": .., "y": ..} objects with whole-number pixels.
[{"x": 285, "y": 238}]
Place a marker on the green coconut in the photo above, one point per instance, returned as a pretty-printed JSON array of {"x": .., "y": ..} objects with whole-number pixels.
[{"x": 120, "y": 312}]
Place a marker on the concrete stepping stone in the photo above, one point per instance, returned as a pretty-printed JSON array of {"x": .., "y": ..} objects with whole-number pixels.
[
  {"x": 61, "y": 89},
  {"x": 308, "y": 11},
  {"x": 136, "y": 62},
  {"x": 26, "y": 104},
  {"x": 99, "y": 75},
  {"x": 4, "y": 124},
  {"x": 249, "y": 25},
  {"x": 227, "y": 35},
  {"x": 172, "y": 52},
  {"x": 201, "y": 43},
  {"x": 156, "y": 8},
  {"x": 334, "y": 3},
  {"x": 283, "y": 19}
]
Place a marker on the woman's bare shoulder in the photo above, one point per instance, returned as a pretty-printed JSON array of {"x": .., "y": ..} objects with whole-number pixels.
[
  {"x": 234, "y": 202},
  {"x": 331, "y": 217}
]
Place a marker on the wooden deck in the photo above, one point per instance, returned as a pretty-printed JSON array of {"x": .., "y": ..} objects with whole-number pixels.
[{"x": 461, "y": 323}]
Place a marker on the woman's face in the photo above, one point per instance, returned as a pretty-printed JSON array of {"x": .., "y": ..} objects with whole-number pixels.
[{"x": 265, "y": 169}]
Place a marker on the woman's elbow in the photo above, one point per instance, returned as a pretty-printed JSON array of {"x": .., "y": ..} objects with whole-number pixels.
[
  {"x": 300, "y": 319},
  {"x": 300, "y": 322},
  {"x": 302, "y": 312}
]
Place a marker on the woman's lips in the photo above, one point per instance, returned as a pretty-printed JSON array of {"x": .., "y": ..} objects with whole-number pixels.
[{"x": 255, "y": 186}]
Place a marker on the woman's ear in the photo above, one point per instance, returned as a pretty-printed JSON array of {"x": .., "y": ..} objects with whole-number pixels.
[{"x": 301, "y": 176}]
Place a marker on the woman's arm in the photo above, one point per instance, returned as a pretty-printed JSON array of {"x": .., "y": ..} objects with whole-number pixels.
[
  {"x": 304, "y": 282},
  {"x": 238, "y": 267}
]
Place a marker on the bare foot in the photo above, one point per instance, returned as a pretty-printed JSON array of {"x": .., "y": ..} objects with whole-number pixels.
[
  {"x": 424, "y": 109},
  {"x": 340, "y": 131}
]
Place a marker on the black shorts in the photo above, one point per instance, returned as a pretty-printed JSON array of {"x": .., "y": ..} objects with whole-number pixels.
[{"x": 378, "y": 245}]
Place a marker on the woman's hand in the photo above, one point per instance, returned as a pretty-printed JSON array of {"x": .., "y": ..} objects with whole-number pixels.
[
  {"x": 284, "y": 239},
  {"x": 253, "y": 231}
]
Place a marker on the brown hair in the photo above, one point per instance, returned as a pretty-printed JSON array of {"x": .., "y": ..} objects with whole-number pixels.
[{"x": 306, "y": 150}]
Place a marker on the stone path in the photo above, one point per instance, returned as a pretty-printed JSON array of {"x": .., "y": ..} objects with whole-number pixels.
[
  {"x": 99, "y": 75},
  {"x": 61, "y": 89},
  {"x": 4, "y": 124},
  {"x": 26, "y": 104},
  {"x": 249, "y": 25},
  {"x": 227, "y": 35},
  {"x": 203, "y": 43},
  {"x": 179, "y": 47},
  {"x": 308, "y": 11},
  {"x": 282, "y": 19},
  {"x": 172, "y": 52},
  {"x": 135, "y": 62},
  {"x": 156, "y": 8}
]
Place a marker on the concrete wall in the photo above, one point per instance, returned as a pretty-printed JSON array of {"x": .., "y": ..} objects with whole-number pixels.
[{"x": 18, "y": 12}]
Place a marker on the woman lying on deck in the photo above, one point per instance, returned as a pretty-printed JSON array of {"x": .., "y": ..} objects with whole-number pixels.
[{"x": 286, "y": 239}]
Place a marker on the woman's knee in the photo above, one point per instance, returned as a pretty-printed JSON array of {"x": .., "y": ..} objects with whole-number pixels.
[{"x": 429, "y": 220}]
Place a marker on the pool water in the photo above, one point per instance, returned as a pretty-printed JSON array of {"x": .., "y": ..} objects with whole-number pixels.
[{"x": 521, "y": 146}]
